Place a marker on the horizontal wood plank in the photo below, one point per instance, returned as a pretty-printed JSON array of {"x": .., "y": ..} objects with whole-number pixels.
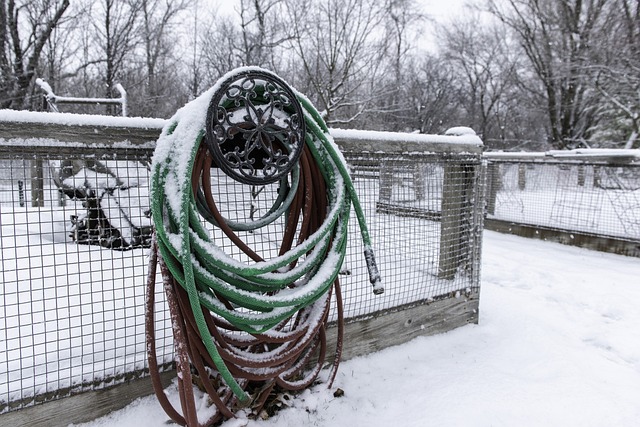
[
  {"x": 84, "y": 134},
  {"x": 362, "y": 336},
  {"x": 83, "y": 407},
  {"x": 400, "y": 147},
  {"x": 99, "y": 130},
  {"x": 611, "y": 244},
  {"x": 371, "y": 334}
]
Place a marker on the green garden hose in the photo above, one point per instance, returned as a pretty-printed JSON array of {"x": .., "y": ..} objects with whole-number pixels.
[{"x": 257, "y": 324}]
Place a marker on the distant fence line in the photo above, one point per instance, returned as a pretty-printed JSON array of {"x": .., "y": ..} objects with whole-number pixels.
[
  {"x": 72, "y": 314},
  {"x": 588, "y": 198}
]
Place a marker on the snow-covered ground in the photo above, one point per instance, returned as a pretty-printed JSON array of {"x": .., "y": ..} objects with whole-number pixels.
[{"x": 558, "y": 344}]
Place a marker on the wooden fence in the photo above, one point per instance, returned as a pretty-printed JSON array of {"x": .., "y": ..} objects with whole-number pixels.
[
  {"x": 587, "y": 198},
  {"x": 430, "y": 264}
]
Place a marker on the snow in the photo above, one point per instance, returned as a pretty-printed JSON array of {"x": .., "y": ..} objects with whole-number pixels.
[
  {"x": 585, "y": 154},
  {"x": 467, "y": 137},
  {"x": 52, "y": 97},
  {"x": 70, "y": 119},
  {"x": 459, "y": 131},
  {"x": 557, "y": 344}
]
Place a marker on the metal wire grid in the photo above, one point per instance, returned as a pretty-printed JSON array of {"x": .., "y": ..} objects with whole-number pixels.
[
  {"x": 424, "y": 225},
  {"x": 243, "y": 203},
  {"x": 590, "y": 198},
  {"x": 73, "y": 314},
  {"x": 402, "y": 197}
]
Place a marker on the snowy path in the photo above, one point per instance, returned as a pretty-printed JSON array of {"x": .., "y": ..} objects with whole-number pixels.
[{"x": 558, "y": 344}]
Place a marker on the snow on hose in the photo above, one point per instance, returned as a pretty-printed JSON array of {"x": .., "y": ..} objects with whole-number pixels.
[{"x": 244, "y": 331}]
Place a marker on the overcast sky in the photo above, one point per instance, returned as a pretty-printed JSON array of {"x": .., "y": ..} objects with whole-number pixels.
[{"x": 440, "y": 11}]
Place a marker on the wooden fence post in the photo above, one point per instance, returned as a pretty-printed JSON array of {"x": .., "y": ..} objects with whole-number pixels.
[
  {"x": 455, "y": 197},
  {"x": 495, "y": 183},
  {"x": 386, "y": 182},
  {"x": 21, "y": 192},
  {"x": 419, "y": 181},
  {"x": 37, "y": 183},
  {"x": 522, "y": 176},
  {"x": 597, "y": 178},
  {"x": 581, "y": 175}
]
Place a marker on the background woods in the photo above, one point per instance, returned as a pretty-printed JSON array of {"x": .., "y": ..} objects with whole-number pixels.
[{"x": 525, "y": 74}]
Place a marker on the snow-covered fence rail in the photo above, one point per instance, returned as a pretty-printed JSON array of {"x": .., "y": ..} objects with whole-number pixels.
[
  {"x": 588, "y": 198},
  {"x": 72, "y": 315},
  {"x": 53, "y": 100}
]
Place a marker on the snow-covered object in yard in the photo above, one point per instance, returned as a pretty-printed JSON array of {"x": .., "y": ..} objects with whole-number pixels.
[
  {"x": 116, "y": 197},
  {"x": 259, "y": 324},
  {"x": 54, "y": 99},
  {"x": 460, "y": 131}
]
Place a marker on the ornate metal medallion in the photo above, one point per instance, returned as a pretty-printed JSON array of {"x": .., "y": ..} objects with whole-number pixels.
[{"x": 255, "y": 127}]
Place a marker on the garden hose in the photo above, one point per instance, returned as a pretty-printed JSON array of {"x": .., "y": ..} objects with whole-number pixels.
[{"x": 244, "y": 329}]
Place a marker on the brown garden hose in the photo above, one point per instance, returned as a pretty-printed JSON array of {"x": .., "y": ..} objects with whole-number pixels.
[
  {"x": 245, "y": 332},
  {"x": 300, "y": 345}
]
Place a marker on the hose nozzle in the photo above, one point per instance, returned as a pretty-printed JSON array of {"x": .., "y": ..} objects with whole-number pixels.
[{"x": 374, "y": 274}]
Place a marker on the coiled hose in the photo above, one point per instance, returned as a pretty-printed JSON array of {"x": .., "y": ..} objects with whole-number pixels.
[{"x": 241, "y": 329}]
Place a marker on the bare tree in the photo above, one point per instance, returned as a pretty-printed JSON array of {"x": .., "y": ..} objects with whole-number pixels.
[
  {"x": 60, "y": 53},
  {"x": 618, "y": 77},
  {"x": 487, "y": 65},
  {"x": 159, "y": 32},
  {"x": 335, "y": 42},
  {"x": 557, "y": 37},
  {"x": 261, "y": 31},
  {"x": 402, "y": 24},
  {"x": 114, "y": 37},
  {"x": 158, "y": 18},
  {"x": 254, "y": 36},
  {"x": 433, "y": 96},
  {"x": 218, "y": 50},
  {"x": 620, "y": 88},
  {"x": 20, "y": 54}
]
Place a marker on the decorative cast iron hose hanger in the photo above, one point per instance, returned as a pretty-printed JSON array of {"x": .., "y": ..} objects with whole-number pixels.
[
  {"x": 255, "y": 128},
  {"x": 247, "y": 327}
]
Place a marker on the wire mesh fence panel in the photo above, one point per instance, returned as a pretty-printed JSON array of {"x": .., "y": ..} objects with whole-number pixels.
[
  {"x": 73, "y": 271},
  {"x": 74, "y": 233},
  {"x": 591, "y": 198},
  {"x": 424, "y": 226}
]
